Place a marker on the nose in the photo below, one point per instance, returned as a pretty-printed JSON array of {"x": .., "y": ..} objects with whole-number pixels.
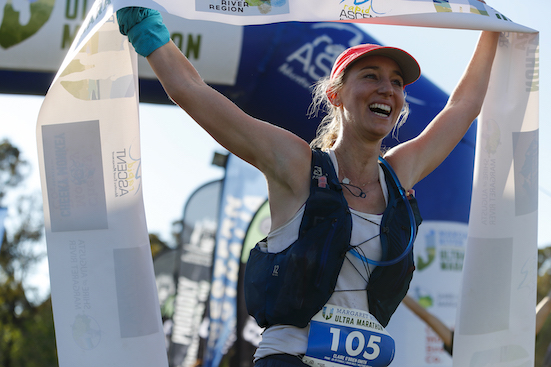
[{"x": 385, "y": 87}]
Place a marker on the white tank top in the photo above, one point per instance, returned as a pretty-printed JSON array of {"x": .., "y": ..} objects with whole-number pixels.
[{"x": 350, "y": 290}]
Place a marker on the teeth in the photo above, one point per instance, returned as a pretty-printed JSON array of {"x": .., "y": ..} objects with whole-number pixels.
[
  {"x": 380, "y": 109},
  {"x": 380, "y": 106}
]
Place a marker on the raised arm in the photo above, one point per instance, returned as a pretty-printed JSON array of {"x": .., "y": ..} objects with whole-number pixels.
[
  {"x": 283, "y": 157},
  {"x": 415, "y": 159},
  {"x": 259, "y": 143}
]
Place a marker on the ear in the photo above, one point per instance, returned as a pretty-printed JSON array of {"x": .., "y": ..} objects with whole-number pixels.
[{"x": 333, "y": 98}]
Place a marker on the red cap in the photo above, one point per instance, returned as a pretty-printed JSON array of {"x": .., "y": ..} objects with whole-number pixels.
[{"x": 409, "y": 66}]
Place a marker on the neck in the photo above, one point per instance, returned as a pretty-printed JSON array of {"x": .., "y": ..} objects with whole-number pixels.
[{"x": 360, "y": 167}]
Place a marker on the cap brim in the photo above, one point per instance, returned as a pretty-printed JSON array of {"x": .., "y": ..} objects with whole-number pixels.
[{"x": 409, "y": 66}]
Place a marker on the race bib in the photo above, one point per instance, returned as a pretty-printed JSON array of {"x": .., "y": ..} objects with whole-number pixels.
[{"x": 342, "y": 336}]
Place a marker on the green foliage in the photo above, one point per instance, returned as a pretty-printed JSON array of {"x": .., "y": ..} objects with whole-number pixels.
[
  {"x": 543, "y": 339},
  {"x": 11, "y": 167},
  {"x": 26, "y": 329},
  {"x": 157, "y": 245},
  {"x": 26, "y": 335}
]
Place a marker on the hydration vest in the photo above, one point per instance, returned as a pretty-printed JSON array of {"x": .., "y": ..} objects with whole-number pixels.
[{"x": 291, "y": 286}]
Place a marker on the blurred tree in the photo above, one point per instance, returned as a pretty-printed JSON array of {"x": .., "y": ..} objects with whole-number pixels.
[
  {"x": 543, "y": 339},
  {"x": 26, "y": 329},
  {"x": 158, "y": 246},
  {"x": 12, "y": 167}
]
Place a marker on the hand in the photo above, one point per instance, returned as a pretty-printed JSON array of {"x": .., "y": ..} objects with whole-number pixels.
[
  {"x": 130, "y": 16},
  {"x": 144, "y": 27}
]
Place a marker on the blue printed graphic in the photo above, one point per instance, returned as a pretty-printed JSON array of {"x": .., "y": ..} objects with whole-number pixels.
[{"x": 349, "y": 346}]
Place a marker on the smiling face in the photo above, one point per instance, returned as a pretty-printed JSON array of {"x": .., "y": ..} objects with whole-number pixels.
[{"x": 372, "y": 96}]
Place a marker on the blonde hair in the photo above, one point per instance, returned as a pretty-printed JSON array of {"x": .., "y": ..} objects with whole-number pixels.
[{"x": 331, "y": 124}]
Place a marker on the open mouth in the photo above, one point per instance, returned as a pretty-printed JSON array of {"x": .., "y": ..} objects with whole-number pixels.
[{"x": 380, "y": 109}]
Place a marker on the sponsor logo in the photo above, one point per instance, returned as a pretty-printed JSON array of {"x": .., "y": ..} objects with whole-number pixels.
[
  {"x": 491, "y": 136},
  {"x": 360, "y": 9},
  {"x": 313, "y": 60},
  {"x": 86, "y": 332},
  {"x": 423, "y": 297},
  {"x": 327, "y": 315},
  {"x": 427, "y": 256},
  {"x": 127, "y": 174},
  {"x": 244, "y": 7},
  {"x": 444, "y": 248},
  {"x": 20, "y": 20}
]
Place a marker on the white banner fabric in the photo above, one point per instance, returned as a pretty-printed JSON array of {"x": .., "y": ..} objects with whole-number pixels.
[
  {"x": 461, "y": 14},
  {"x": 104, "y": 297},
  {"x": 103, "y": 289},
  {"x": 496, "y": 316}
]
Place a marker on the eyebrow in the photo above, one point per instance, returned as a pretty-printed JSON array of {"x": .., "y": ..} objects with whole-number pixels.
[{"x": 396, "y": 71}]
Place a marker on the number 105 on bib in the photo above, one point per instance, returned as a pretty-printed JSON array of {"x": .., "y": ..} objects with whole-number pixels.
[{"x": 335, "y": 345}]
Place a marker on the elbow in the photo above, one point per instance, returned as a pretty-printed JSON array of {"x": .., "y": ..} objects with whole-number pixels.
[
  {"x": 184, "y": 92},
  {"x": 474, "y": 113},
  {"x": 468, "y": 101}
]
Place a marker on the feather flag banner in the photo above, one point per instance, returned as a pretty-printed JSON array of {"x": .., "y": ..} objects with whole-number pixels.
[{"x": 103, "y": 289}]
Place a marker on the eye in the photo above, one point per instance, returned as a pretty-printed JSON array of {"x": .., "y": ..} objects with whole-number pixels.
[
  {"x": 398, "y": 82},
  {"x": 370, "y": 76}
]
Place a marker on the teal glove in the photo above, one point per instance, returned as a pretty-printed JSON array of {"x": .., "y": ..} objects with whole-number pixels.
[{"x": 144, "y": 27}]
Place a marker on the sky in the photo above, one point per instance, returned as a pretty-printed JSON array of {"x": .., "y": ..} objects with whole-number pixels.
[{"x": 177, "y": 154}]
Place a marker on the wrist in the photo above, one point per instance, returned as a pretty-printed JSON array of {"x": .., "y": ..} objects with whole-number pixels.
[
  {"x": 144, "y": 27},
  {"x": 148, "y": 35}
]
